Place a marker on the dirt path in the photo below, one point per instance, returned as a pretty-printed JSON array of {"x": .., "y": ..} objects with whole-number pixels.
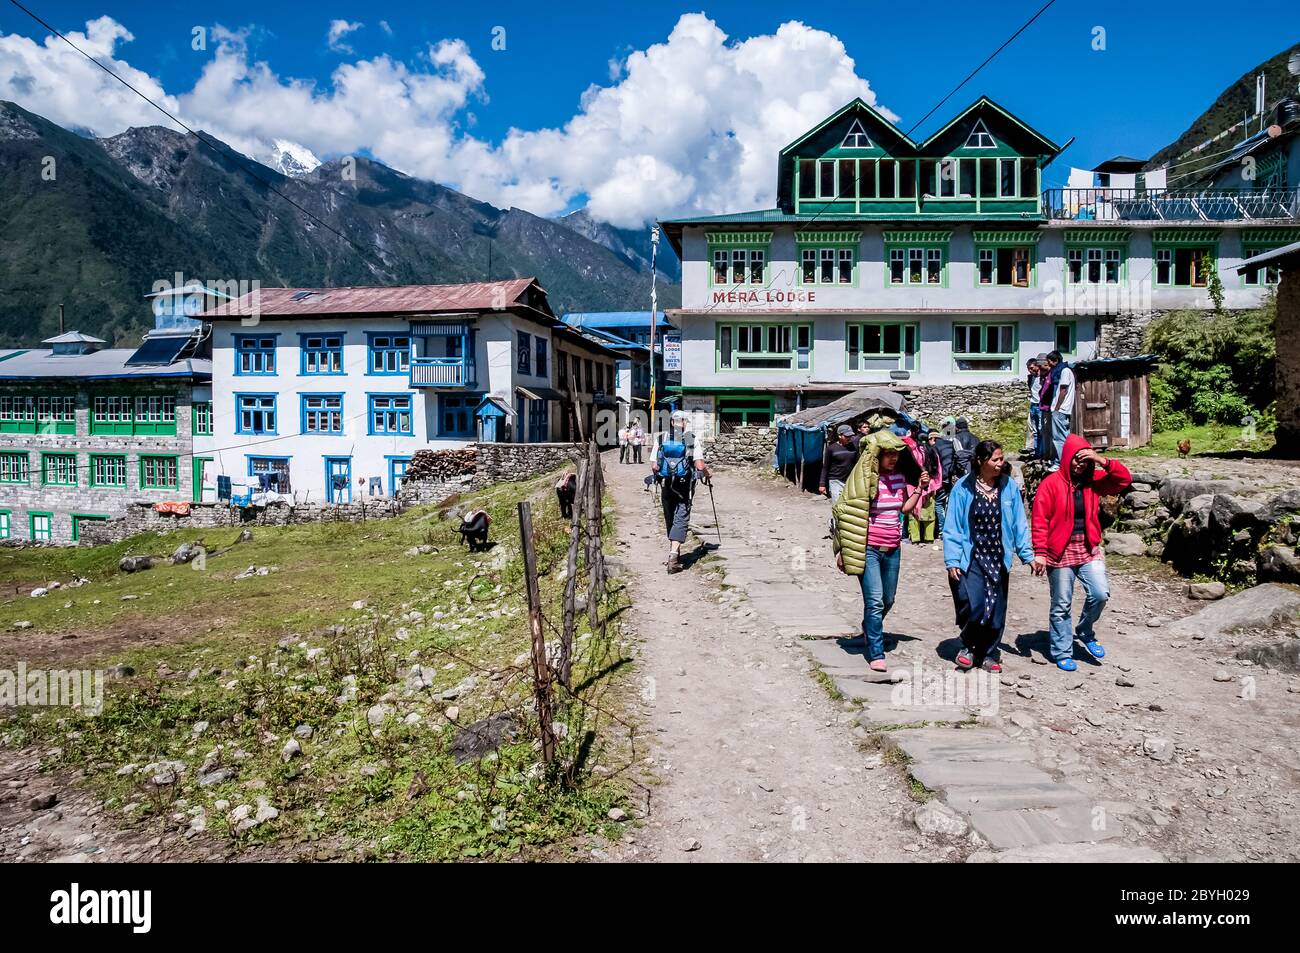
[{"x": 751, "y": 747}]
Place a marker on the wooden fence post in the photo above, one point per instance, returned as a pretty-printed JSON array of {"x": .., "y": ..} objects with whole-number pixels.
[
  {"x": 571, "y": 580},
  {"x": 541, "y": 670}
]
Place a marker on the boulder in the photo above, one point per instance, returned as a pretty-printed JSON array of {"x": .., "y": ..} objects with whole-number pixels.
[
  {"x": 1206, "y": 590},
  {"x": 1141, "y": 499},
  {"x": 1283, "y": 656},
  {"x": 1278, "y": 564},
  {"x": 1125, "y": 544},
  {"x": 1286, "y": 503},
  {"x": 135, "y": 563},
  {"x": 935, "y": 817},
  {"x": 1254, "y": 608},
  {"x": 186, "y": 553},
  {"x": 1176, "y": 494},
  {"x": 1230, "y": 512}
]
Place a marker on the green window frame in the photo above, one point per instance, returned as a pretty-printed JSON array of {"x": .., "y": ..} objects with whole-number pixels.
[
  {"x": 744, "y": 411},
  {"x": 133, "y": 414},
  {"x": 763, "y": 346},
  {"x": 59, "y": 469},
  {"x": 1096, "y": 256},
  {"x": 881, "y": 345},
  {"x": 985, "y": 346},
  {"x": 1006, "y": 259},
  {"x": 38, "y": 413},
  {"x": 1257, "y": 241},
  {"x": 159, "y": 472},
  {"x": 79, "y": 518},
  {"x": 15, "y": 468},
  {"x": 6, "y": 524},
  {"x": 827, "y": 259},
  {"x": 108, "y": 470},
  {"x": 45, "y": 535},
  {"x": 916, "y": 259},
  {"x": 1178, "y": 252},
  {"x": 201, "y": 418},
  {"x": 739, "y": 259},
  {"x": 1065, "y": 336}
]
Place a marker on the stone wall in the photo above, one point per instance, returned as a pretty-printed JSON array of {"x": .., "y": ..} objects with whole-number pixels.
[
  {"x": 1123, "y": 335},
  {"x": 743, "y": 446},
  {"x": 504, "y": 462},
  {"x": 995, "y": 400},
  {"x": 143, "y": 518}
]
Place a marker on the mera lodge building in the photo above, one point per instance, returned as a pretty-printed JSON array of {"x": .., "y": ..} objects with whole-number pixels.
[{"x": 940, "y": 267}]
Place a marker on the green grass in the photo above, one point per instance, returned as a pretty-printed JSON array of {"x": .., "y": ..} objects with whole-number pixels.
[
  {"x": 1205, "y": 438},
  {"x": 235, "y": 654}
]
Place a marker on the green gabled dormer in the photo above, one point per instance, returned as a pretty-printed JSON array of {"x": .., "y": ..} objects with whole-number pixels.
[{"x": 985, "y": 165}]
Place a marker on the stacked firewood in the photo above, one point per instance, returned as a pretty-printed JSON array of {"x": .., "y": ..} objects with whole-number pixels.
[{"x": 440, "y": 464}]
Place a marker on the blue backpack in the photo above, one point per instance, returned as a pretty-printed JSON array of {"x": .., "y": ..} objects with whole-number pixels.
[{"x": 674, "y": 464}]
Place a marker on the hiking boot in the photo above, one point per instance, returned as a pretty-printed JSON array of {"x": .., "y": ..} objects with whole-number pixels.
[{"x": 674, "y": 565}]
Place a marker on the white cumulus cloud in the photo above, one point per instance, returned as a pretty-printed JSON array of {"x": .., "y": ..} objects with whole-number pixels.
[
  {"x": 337, "y": 31},
  {"x": 689, "y": 125}
]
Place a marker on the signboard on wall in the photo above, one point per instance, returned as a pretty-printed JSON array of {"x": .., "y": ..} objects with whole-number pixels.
[
  {"x": 700, "y": 407},
  {"x": 672, "y": 352}
]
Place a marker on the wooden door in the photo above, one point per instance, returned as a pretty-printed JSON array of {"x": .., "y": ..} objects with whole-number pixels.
[{"x": 1094, "y": 410}]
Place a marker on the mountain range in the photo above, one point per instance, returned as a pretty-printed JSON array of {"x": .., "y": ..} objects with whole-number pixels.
[{"x": 94, "y": 223}]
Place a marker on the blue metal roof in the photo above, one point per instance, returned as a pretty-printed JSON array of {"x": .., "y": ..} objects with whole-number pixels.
[{"x": 612, "y": 319}]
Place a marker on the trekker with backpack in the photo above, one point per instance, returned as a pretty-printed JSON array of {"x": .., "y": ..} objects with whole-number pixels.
[
  {"x": 964, "y": 443},
  {"x": 677, "y": 466}
]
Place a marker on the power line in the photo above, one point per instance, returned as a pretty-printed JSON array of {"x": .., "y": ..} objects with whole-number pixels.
[
  {"x": 270, "y": 186},
  {"x": 973, "y": 72}
]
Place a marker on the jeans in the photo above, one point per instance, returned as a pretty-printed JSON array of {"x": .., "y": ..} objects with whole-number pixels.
[
  {"x": 622, "y": 453},
  {"x": 1060, "y": 430},
  {"x": 1096, "y": 589},
  {"x": 879, "y": 585},
  {"x": 835, "y": 488},
  {"x": 636, "y": 453},
  {"x": 940, "y": 514},
  {"x": 1035, "y": 424}
]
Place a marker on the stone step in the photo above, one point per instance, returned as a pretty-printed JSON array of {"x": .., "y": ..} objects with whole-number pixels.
[
  {"x": 879, "y": 716},
  {"x": 1103, "y": 853},
  {"x": 942, "y": 775},
  {"x": 1034, "y": 826},
  {"x": 973, "y": 798}
]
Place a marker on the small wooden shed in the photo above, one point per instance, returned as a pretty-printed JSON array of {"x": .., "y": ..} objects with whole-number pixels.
[{"x": 1112, "y": 401}]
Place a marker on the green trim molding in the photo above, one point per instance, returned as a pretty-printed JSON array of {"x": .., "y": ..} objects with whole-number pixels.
[
  {"x": 1270, "y": 236},
  {"x": 1028, "y": 236},
  {"x": 738, "y": 239},
  {"x": 1185, "y": 236},
  {"x": 1096, "y": 236},
  {"x": 828, "y": 238},
  {"x": 917, "y": 237}
]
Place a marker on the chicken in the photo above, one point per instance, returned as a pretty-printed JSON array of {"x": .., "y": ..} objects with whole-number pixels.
[{"x": 1184, "y": 448}]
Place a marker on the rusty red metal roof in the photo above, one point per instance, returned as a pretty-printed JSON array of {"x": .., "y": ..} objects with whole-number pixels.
[{"x": 385, "y": 299}]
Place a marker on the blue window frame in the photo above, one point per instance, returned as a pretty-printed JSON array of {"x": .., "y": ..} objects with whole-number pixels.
[
  {"x": 456, "y": 414},
  {"x": 255, "y": 355},
  {"x": 276, "y": 467},
  {"x": 396, "y": 473},
  {"x": 525, "y": 356},
  {"x": 391, "y": 414},
  {"x": 322, "y": 413},
  {"x": 541, "y": 357},
  {"x": 255, "y": 414},
  {"x": 322, "y": 355},
  {"x": 338, "y": 479},
  {"x": 390, "y": 353},
  {"x": 538, "y": 421}
]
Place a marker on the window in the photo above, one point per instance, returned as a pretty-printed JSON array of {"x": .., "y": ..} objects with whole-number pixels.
[
  {"x": 159, "y": 473},
  {"x": 1029, "y": 178},
  {"x": 5, "y": 528},
  {"x": 733, "y": 412},
  {"x": 255, "y": 413},
  {"x": 562, "y": 370},
  {"x": 848, "y": 179},
  {"x": 456, "y": 414},
  {"x": 826, "y": 179},
  {"x": 577, "y": 374},
  {"x": 1111, "y": 264},
  {"x": 322, "y": 413},
  {"x": 201, "y": 418},
  {"x": 915, "y": 264},
  {"x": 59, "y": 469},
  {"x": 737, "y": 266},
  {"x": 948, "y": 178},
  {"x": 984, "y": 347},
  {"x": 979, "y": 137},
  {"x": 988, "y": 178},
  {"x": 322, "y": 354},
  {"x": 1007, "y": 178},
  {"x": 145, "y": 414},
  {"x": 254, "y": 355},
  {"x": 390, "y": 354},
  {"x": 856, "y": 138},
  {"x": 1066, "y": 336},
  {"x": 43, "y": 414},
  {"x": 807, "y": 178},
  {"x": 1005, "y": 265},
  {"x": 1183, "y": 267},
  {"x": 42, "y": 527},
  {"x": 276, "y": 469},
  {"x": 827, "y": 266},
  {"x": 14, "y": 468},
  {"x": 80, "y": 520},
  {"x": 108, "y": 470},
  {"x": 541, "y": 357},
  {"x": 538, "y": 421},
  {"x": 882, "y": 346},
  {"x": 524, "y": 363},
  {"x": 391, "y": 415},
  {"x": 888, "y": 178},
  {"x": 896, "y": 271},
  {"x": 764, "y": 346},
  {"x": 1261, "y": 274}
]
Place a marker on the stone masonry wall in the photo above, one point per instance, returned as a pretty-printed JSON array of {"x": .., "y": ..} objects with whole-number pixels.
[
  {"x": 743, "y": 446},
  {"x": 983, "y": 402}
]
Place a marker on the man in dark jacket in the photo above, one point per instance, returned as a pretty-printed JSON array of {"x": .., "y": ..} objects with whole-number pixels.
[
  {"x": 838, "y": 459},
  {"x": 1067, "y": 543},
  {"x": 964, "y": 444}
]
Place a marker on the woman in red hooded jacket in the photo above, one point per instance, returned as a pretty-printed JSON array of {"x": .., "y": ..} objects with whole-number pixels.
[{"x": 1067, "y": 543}]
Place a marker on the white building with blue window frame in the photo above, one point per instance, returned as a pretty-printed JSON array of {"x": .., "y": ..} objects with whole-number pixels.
[{"x": 325, "y": 394}]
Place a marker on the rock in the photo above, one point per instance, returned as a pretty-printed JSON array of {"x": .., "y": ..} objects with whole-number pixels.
[
  {"x": 420, "y": 678},
  {"x": 617, "y": 815},
  {"x": 22, "y": 624},
  {"x": 378, "y": 714},
  {"x": 690, "y": 845},
  {"x": 304, "y": 732},
  {"x": 135, "y": 563},
  {"x": 39, "y": 592},
  {"x": 123, "y": 671},
  {"x": 360, "y": 604},
  {"x": 1283, "y": 656},
  {"x": 1176, "y": 494},
  {"x": 1230, "y": 512},
  {"x": 1095, "y": 720},
  {"x": 43, "y": 801},
  {"x": 478, "y": 739},
  {"x": 1206, "y": 590},
  {"x": 245, "y": 537},
  {"x": 1222, "y": 676},
  {"x": 935, "y": 817},
  {"x": 198, "y": 728},
  {"x": 1158, "y": 749},
  {"x": 1125, "y": 544},
  {"x": 167, "y": 773},
  {"x": 452, "y": 713},
  {"x": 1256, "y": 608},
  {"x": 1285, "y": 504},
  {"x": 1141, "y": 499},
  {"x": 216, "y": 776},
  {"x": 1278, "y": 564},
  {"x": 1025, "y": 692},
  {"x": 185, "y": 553},
  {"x": 292, "y": 749},
  {"x": 1156, "y": 621},
  {"x": 1123, "y": 681}
]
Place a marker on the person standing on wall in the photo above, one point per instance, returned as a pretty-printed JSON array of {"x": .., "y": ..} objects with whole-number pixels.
[
  {"x": 1067, "y": 544},
  {"x": 1035, "y": 382},
  {"x": 838, "y": 458},
  {"x": 1062, "y": 404}
]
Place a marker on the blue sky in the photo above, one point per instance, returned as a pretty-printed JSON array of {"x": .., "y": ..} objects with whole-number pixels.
[{"x": 1157, "y": 72}]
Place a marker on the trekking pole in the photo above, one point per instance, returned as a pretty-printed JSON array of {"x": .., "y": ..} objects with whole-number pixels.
[{"x": 709, "y": 484}]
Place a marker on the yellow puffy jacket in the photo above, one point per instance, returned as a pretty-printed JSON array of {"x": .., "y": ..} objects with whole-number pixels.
[{"x": 852, "y": 513}]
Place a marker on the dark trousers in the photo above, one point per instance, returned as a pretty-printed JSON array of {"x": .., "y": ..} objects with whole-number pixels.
[
  {"x": 636, "y": 453},
  {"x": 969, "y": 593},
  {"x": 677, "y": 511}
]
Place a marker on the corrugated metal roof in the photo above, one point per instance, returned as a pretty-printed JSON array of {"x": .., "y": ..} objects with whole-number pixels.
[
  {"x": 1286, "y": 251},
  {"x": 868, "y": 400},
  {"x": 613, "y": 319},
  {"x": 106, "y": 364},
  {"x": 74, "y": 337},
  {"x": 391, "y": 299}
]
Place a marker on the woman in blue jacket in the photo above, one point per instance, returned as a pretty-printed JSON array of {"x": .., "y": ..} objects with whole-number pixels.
[{"x": 984, "y": 530}]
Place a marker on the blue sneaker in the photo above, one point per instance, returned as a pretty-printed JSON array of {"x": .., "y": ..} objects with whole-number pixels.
[
  {"x": 1067, "y": 665},
  {"x": 1094, "y": 649}
]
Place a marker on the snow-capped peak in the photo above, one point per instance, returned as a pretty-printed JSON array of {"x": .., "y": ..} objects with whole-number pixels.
[{"x": 291, "y": 158}]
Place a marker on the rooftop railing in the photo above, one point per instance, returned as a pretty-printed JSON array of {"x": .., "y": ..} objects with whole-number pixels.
[{"x": 1170, "y": 205}]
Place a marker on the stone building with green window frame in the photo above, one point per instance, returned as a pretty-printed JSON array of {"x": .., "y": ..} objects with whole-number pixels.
[
  {"x": 82, "y": 425},
  {"x": 937, "y": 263}
]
